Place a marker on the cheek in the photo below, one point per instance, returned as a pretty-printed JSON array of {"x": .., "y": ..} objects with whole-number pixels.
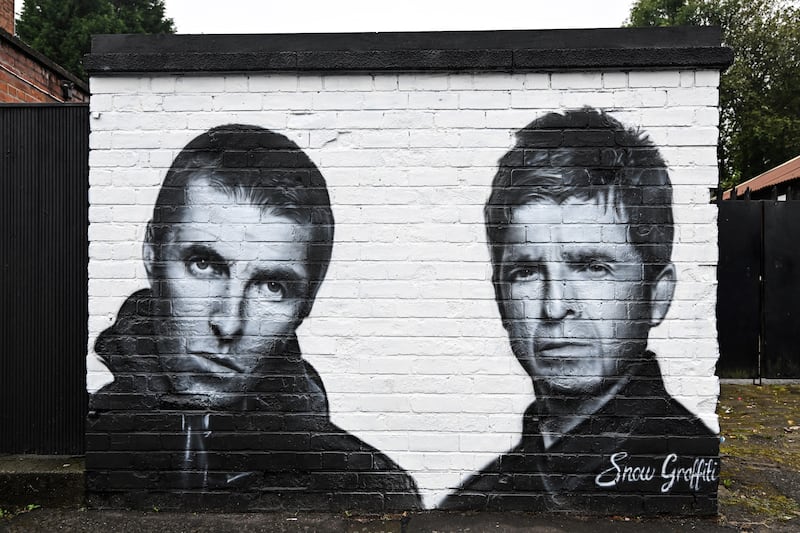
[
  {"x": 523, "y": 301},
  {"x": 514, "y": 310},
  {"x": 187, "y": 301},
  {"x": 187, "y": 296},
  {"x": 592, "y": 293},
  {"x": 272, "y": 318},
  {"x": 524, "y": 321}
]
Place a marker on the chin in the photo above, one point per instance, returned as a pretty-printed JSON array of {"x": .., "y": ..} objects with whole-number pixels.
[
  {"x": 212, "y": 391},
  {"x": 571, "y": 386}
]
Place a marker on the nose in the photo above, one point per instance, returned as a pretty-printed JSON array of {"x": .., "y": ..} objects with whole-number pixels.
[
  {"x": 557, "y": 303},
  {"x": 227, "y": 315}
]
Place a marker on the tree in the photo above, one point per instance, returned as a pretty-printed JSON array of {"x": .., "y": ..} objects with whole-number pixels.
[
  {"x": 760, "y": 92},
  {"x": 660, "y": 13},
  {"x": 62, "y": 29}
]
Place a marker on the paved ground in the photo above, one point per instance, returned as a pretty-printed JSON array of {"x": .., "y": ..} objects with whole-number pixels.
[{"x": 47, "y": 520}]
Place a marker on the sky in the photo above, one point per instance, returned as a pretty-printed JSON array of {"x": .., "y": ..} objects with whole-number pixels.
[{"x": 314, "y": 16}]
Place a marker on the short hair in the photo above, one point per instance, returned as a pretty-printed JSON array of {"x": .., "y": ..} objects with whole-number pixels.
[
  {"x": 586, "y": 154},
  {"x": 261, "y": 167}
]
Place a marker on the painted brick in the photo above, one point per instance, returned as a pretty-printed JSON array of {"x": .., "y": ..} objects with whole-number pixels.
[
  {"x": 537, "y": 81},
  {"x": 706, "y": 78},
  {"x": 405, "y": 332},
  {"x": 614, "y": 80},
  {"x": 188, "y": 103},
  {"x": 159, "y": 84},
  {"x": 687, "y": 78},
  {"x": 236, "y": 101},
  {"x": 665, "y": 78},
  {"x": 485, "y": 100},
  {"x": 705, "y": 96},
  {"x": 347, "y": 83},
  {"x": 417, "y": 82},
  {"x": 463, "y": 119},
  {"x": 274, "y": 82},
  {"x": 198, "y": 84},
  {"x": 577, "y": 99},
  {"x": 501, "y": 82},
  {"x": 576, "y": 80},
  {"x": 384, "y": 100},
  {"x": 385, "y": 82}
]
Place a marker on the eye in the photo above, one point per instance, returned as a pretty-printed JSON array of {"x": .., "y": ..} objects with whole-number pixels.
[
  {"x": 204, "y": 267},
  {"x": 596, "y": 269},
  {"x": 275, "y": 287},
  {"x": 271, "y": 290},
  {"x": 524, "y": 273}
]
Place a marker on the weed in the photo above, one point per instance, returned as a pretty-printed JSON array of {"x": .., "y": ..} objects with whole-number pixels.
[{"x": 8, "y": 514}]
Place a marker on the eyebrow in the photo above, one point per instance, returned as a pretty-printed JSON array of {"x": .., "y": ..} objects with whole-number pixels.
[
  {"x": 523, "y": 256},
  {"x": 203, "y": 249},
  {"x": 277, "y": 273},
  {"x": 582, "y": 256}
]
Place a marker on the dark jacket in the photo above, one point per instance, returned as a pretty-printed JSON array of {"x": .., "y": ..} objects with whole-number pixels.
[
  {"x": 274, "y": 449},
  {"x": 618, "y": 460}
]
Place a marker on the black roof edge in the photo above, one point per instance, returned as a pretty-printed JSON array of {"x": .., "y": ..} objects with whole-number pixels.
[
  {"x": 44, "y": 60},
  {"x": 626, "y": 48}
]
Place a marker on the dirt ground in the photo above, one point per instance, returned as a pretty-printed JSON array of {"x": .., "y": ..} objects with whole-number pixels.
[{"x": 759, "y": 486}]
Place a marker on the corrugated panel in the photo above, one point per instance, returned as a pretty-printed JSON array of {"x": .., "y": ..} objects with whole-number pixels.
[
  {"x": 790, "y": 170},
  {"x": 43, "y": 263}
]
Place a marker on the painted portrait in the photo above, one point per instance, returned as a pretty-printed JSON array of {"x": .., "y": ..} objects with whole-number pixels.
[
  {"x": 580, "y": 228},
  {"x": 212, "y": 404}
]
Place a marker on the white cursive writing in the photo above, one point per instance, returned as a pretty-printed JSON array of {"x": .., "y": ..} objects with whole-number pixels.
[{"x": 702, "y": 470}]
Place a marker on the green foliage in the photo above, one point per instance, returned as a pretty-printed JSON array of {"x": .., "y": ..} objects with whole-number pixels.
[
  {"x": 62, "y": 29},
  {"x": 760, "y": 92},
  {"x": 661, "y": 13},
  {"x": 8, "y": 514}
]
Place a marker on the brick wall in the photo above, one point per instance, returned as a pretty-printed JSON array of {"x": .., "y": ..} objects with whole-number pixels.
[
  {"x": 26, "y": 79},
  {"x": 405, "y": 331},
  {"x": 7, "y": 16}
]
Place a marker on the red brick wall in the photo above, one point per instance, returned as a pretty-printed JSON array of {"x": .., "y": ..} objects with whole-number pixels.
[
  {"x": 40, "y": 83},
  {"x": 7, "y": 15}
]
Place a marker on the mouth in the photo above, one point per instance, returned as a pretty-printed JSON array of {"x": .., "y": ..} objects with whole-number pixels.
[
  {"x": 224, "y": 361},
  {"x": 553, "y": 348}
]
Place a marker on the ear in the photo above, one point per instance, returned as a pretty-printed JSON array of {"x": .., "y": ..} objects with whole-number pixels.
[
  {"x": 663, "y": 290},
  {"x": 149, "y": 254}
]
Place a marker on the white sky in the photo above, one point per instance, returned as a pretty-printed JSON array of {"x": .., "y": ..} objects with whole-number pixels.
[{"x": 309, "y": 16}]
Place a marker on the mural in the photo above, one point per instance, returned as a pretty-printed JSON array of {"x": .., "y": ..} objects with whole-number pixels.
[
  {"x": 211, "y": 396},
  {"x": 580, "y": 228},
  {"x": 213, "y": 405}
]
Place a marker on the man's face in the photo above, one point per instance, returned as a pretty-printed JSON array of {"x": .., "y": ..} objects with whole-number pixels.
[
  {"x": 573, "y": 294},
  {"x": 231, "y": 287}
]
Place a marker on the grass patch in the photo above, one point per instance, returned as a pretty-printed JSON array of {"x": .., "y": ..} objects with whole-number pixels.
[
  {"x": 776, "y": 506},
  {"x": 761, "y": 428}
]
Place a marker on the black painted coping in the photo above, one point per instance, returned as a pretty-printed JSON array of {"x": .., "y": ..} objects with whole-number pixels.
[{"x": 507, "y": 50}]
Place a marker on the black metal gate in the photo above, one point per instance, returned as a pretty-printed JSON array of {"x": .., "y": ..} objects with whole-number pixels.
[
  {"x": 44, "y": 168},
  {"x": 759, "y": 288}
]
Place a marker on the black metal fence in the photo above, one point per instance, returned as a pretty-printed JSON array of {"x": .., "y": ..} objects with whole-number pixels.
[
  {"x": 44, "y": 167},
  {"x": 758, "y": 317}
]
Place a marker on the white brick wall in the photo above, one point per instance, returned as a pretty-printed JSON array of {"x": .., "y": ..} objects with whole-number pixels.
[{"x": 405, "y": 331}]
